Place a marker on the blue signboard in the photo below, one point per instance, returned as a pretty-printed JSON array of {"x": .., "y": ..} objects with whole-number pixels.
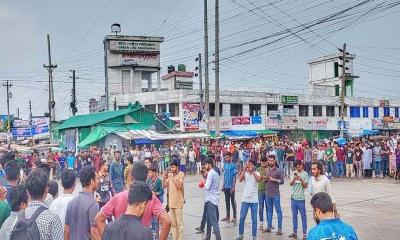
[
  {"x": 256, "y": 120},
  {"x": 27, "y": 132}
]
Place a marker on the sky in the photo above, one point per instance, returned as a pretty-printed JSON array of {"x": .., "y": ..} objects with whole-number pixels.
[{"x": 265, "y": 44}]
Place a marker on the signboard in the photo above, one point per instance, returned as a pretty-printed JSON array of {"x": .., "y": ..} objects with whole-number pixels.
[
  {"x": 289, "y": 118},
  {"x": 140, "y": 59},
  {"x": 256, "y": 120},
  {"x": 28, "y": 132},
  {"x": 191, "y": 116},
  {"x": 225, "y": 123},
  {"x": 240, "y": 120},
  {"x": 388, "y": 119},
  {"x": 383, "y": 103},
  {"x": 21, "y": 123},
  {"x": 290, "y": 99},
  {"x": 40, "y": 122},
  {"x": 135, "y": 46},
  {"x": 377, "y": 123},
  {"x": 313, "y": 123},
  {"x": 274, "y": 120}
]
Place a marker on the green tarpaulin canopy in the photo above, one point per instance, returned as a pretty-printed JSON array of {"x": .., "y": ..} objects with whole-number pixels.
[
  {"x": 266, "y": 132},
  {"x": 102, "y": 131}
]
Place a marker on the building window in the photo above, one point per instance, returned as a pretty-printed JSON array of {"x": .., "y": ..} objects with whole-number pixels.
[
  {"x": 337, "y": 90},
  {"x": 376, "y": 112},
  {"x": 272, "y": 107},
  {"x": 236, "y": 109},
  {"x": 396, "y": 112},
  {"x": 303, "y": 110},
  {"x": 173, "y": 109},
  {"x": 365, "y": 112},
  {"x": 355, "y": 112},
  {"x": 288, "y": 106},
  {"x": 162, "y": 108},
  {"x": 212, "y": 109},
  {"x": 336, "y": 69},
  {"x": 126, "y": 81},
  {"x": 386, "y": 111},
  {"x": 330, "y": 111},
  {"x": 151, "y": 107},
  {"x": 317, "y": 111},
  {"x": 255, "y": 109}
]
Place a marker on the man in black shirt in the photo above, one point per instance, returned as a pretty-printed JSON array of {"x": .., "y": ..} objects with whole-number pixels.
[{"x": 129, "y": 225}]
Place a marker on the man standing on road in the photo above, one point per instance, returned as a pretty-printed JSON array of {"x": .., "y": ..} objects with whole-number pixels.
[
  {"x": 321, "y": 183},
  {"x": 212, "y": 199},
  {"x": 117, "y": 173},
  {"x": 249, "y": 198},
  {"x": 377, "y": 153},
  {"x": 229, "y": 187},
  {"x": 60, "y": 204},
  {"x": 82, "y": 210},
  {"x": 385, "y": 159},
  {"x": 173, "y": 181},
  {"x": 358, "y": 163},
  {"x": 262, "y": 194},
  {"x": 328, "y": 226},
  {"x": 350, "y": 161},
  {"x": 329, "y": 152},
  {"x": 274, "y": 178},
  {"x": 340, "y": 156},
  {"x": 289, "y": 159},
  {"x": 299, "y": 182}
]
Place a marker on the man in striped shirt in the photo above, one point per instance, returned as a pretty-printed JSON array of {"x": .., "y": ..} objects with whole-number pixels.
[{"x": 229, "y": 187}]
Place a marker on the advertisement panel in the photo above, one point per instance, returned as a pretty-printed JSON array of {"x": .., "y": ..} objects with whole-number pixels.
[
  {"x": 377, "y": 123},
  {"x": 256, "y": 120},
  {"x": 225, "y": 123},
  {"x": 191, "y": 116},
  {"x": 290, "y": 99},
  {"x": 21, "y": 123},
  {"x": 140, "y": 59},
  {"x": 289, "y": 118},
  {"x": 40, "y": 121},
  {"x": 313, "y": 124},
  {"x": 240, "y": 120},
  {"x": 135, "y": 46},
  {"x": 274, "y": 120}
]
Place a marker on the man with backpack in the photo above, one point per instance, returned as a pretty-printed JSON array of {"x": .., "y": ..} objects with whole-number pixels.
[{"x": 37, "y": 222}]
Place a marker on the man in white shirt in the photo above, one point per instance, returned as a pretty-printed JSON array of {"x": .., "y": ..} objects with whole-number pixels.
[
  {"x": 320, "y": 183},
  {"x": 249, "y": 199},
  {"x": 60, "y": 204}
]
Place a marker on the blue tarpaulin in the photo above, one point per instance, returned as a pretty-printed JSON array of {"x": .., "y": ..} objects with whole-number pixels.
[{"x": 367, "y": 132}]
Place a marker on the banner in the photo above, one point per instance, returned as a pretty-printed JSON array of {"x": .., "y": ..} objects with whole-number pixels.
[
  {"x": 140, "y": 59},
  {"x": 21, "y": 123},
  {"x": 40, "y": 122},
  {"x": 377, "y": 123},
  {"x": 240, "y": 120},
  {"x": 191, "y": 113},
  {"x": 135, "y": 46},
  {"x": 289, "y": 118}
]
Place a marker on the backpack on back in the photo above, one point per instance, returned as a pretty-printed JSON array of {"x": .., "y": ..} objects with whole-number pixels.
[{"x": 27, "y": 229}]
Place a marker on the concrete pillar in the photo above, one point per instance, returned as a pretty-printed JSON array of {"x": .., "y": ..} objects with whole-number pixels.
[
  {"x": 226, "y": 110},
  {"x": 158, "y": 81},
  {"x": 310, "y": 110},
  {"x": 264, "y": 110},
  {"x": 246, "y": 110}
]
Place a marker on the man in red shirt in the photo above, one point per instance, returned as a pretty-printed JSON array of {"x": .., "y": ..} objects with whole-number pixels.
[
  {"x": 300, "y": 153},
  {"x": 340, "y": 156},
  {"x": 119, "y": 204},
  {"x": 97, "y": 160}
]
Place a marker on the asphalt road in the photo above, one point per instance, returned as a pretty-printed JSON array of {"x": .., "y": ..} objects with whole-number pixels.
[{"x": 371, "y": 206}]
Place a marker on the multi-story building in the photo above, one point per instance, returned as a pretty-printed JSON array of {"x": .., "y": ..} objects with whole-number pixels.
[{"x": 314, "y": 114}]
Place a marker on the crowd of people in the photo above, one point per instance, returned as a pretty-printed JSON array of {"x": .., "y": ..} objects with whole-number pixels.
[{"x": 138, "y": 193}]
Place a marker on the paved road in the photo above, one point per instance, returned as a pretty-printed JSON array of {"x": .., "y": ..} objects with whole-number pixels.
[{"x": 372, "y": 207}]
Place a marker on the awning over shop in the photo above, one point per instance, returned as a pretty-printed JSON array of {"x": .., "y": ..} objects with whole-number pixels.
[
  {"x": 266, "y": 132},
  {"x": 153, "y": 135},
  {"x": 367, "y": 132},
  {"x": 102, "y": 131},
  {"x": 239, "y": 134}
]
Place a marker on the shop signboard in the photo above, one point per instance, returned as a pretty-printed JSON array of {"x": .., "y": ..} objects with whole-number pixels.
[
  {"x": 388, "y": 119},
  {"x": 383, "y": 103},
  {"x": 274, "y": 120},
  {"x": 256, "y": 120},
  {"x": 240, "y": 120},
  {"x": 191, "y": 116},
  {"x": 290, "y": 99},
  {"x": 40, "y": 121}
]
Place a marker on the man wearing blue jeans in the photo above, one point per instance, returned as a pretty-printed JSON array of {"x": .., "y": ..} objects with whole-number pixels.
[
  {"x": 299, "y": 182},
  {"x": 273, "y": 178},
  {"x": 377, "y": 153},
  {"x": 212, "y": 199},
  {"x": 249, "y": 199}
]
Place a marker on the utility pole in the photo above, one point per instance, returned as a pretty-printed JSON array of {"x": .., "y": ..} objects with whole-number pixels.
[
  {"x": 18, "y": 113},
  {"x": 343, "y": 89},
  {"x": 73, "y": 102},
  {"x": 206, "y": 74},
  {"x": 30, "y": 120},
  {"x": 200, "y": 69},
  {"x": 50, "y": 68},
  {"x": 217, "y": 68},
  {"x": 8, "y": 86}
]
